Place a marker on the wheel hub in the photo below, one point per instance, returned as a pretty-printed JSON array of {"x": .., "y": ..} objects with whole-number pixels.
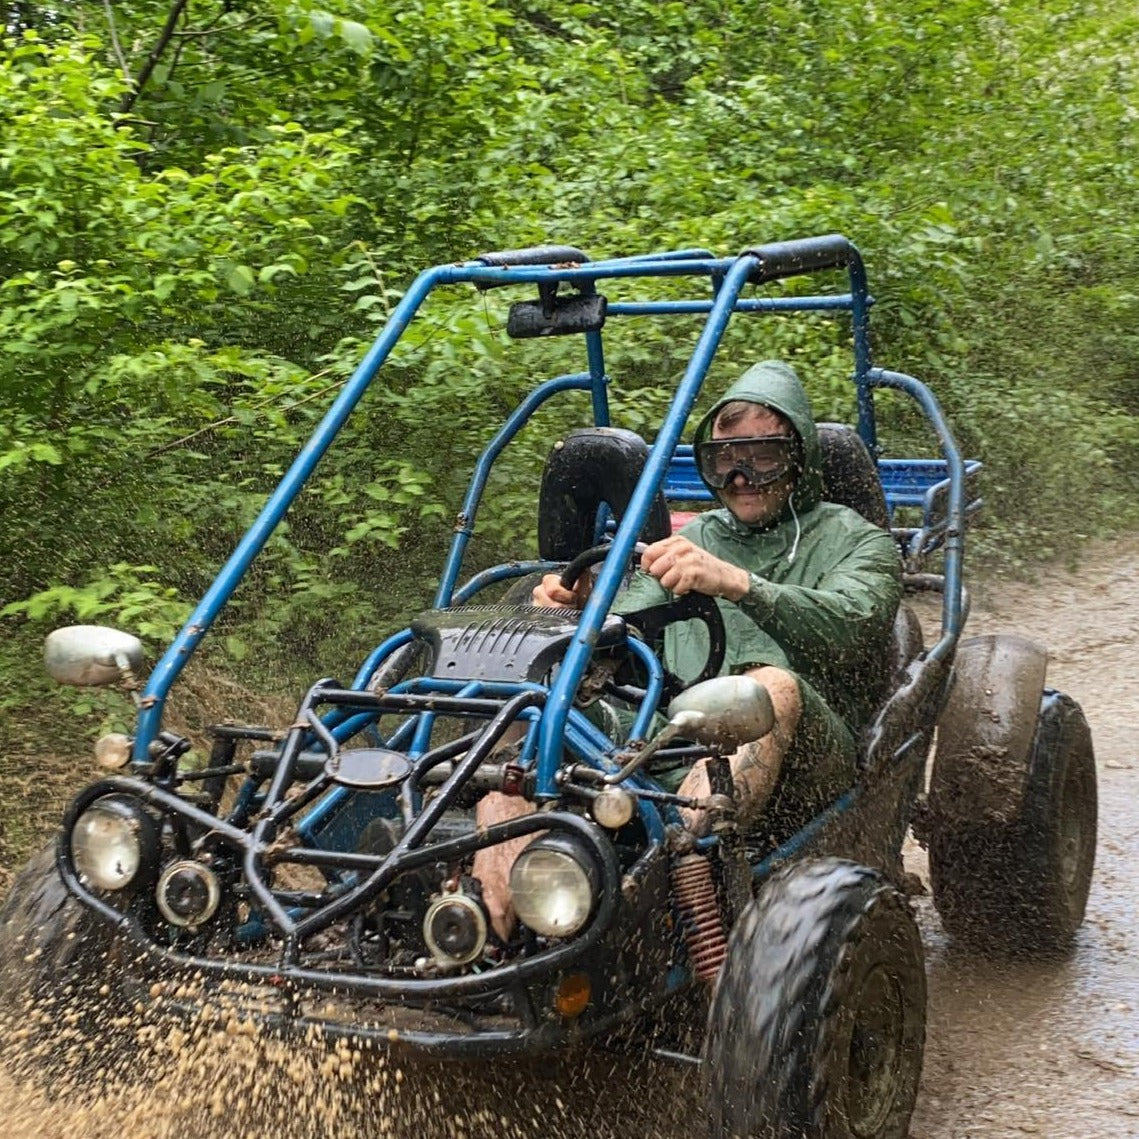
[{"x": 875, "y": 1053}]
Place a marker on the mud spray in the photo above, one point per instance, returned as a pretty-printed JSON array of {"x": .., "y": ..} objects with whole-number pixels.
[
  {"x": 95, "y": 1067},
  {"x": 99, "y": 1067}
]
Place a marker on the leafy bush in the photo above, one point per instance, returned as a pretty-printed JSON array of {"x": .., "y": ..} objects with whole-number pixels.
[{"x": 201, "y": 231}]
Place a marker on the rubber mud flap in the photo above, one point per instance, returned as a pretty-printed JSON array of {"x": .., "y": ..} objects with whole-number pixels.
[{"x": 985, "y": 733}]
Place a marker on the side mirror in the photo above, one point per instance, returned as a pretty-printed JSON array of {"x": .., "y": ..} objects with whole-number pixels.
[
  {"x": 91, "y": 655},
  {"x": 726, "y": 710}
]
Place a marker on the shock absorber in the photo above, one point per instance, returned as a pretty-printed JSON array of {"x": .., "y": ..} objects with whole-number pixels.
[{"x": 695, "y": 893}]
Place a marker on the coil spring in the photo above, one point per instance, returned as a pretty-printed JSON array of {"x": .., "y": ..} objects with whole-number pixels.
[{"x": 695, "y": 893}]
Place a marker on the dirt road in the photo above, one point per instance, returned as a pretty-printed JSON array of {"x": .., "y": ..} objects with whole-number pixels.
[
  {"x": 1045, "y": 1050},
  {"x": 1053, "y": 1050}
]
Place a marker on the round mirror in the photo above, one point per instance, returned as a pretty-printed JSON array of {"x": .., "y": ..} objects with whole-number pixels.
[
  {"x": 727, "y": 710},
  {"x": 91, "y": 654}
]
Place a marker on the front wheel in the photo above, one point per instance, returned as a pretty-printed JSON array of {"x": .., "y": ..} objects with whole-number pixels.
[
  {"x": 52, "y": 948},
  {"x": 817, "y": 1025}
]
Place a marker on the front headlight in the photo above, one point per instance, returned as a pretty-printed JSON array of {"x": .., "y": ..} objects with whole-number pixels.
[
  {"x": 554, "y": 884},
  {"x": 113, "y": 842}
]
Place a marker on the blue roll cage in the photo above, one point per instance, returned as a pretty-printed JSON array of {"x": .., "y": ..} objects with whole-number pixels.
[{"x": 938, "y": 487}]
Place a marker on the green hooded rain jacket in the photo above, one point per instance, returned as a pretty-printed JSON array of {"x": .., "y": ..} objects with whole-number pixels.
[{"x": 826, "y": 583}]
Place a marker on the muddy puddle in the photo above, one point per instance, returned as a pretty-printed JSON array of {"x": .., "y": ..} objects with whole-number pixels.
[{"x": 1012, "y": 1049}]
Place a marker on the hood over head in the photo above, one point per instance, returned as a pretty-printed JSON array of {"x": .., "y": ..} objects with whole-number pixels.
[{"x": 775, "y": 385}]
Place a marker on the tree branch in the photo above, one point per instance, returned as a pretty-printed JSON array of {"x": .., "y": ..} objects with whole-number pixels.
[
  {"x": 164, "y": 38},
  {"x": 115, "y": 41},
  {"x": 231, "y": 419},
  {"x": 212, "y": 29}
]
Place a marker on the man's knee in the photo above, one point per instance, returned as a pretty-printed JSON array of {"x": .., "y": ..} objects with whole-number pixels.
[{"x": 786, "y": 697}]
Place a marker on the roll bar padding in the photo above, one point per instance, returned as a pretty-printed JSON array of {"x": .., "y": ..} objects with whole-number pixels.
[
  {"x": 804, "y": 255},
  {"x": 534, "y": 255}
]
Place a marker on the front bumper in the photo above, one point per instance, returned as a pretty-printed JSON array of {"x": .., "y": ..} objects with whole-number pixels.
[
  {"x": 439, "y": 1032},
  {"x": 624, "y": 951}
]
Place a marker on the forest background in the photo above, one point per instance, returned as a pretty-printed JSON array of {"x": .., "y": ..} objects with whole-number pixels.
[{"x": 208, "y": 207}]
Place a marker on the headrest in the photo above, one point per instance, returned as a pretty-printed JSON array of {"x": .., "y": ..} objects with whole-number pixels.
[
  {"x": 850, "y": 475},
  {"x": 589, "y": 467}
]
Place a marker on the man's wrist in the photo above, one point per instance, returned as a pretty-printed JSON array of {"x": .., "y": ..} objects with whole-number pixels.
[{"x": 737, "y": 585}]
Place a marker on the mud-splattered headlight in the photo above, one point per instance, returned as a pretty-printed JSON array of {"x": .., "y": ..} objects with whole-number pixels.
[
  {"x": 554, "y": 883},
  {"x": 188, "y": 893},
  {"x": 454, "y": 929},
  {"x": 114, "y": 844}
]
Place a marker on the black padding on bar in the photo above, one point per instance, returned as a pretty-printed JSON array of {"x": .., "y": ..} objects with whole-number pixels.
[
  {"x": 790, "y": 258},
  {"x": 535, "y": 255}
]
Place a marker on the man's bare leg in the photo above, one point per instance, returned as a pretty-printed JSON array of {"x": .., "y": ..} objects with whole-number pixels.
[
  {"x": 755, "y": 765},
  {"x": 492, "y": 863},
  {"x": 755, "y": 769}
]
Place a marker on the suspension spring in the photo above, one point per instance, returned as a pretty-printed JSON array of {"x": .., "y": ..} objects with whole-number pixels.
[{"x": 703, "y": 924}]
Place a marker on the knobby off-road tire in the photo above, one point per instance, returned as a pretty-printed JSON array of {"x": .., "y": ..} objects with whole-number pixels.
[
  {"x": 1021, "y": 885},
  {"x": 817, "y": 1025},
  {"x": 52, "y": 948}
]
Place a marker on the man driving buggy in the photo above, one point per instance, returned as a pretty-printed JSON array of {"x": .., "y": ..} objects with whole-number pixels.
[{"x": 808, "y": 591}]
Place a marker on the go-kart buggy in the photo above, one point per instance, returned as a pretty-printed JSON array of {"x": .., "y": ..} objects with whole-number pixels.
[{"x": 333, "y": 887}]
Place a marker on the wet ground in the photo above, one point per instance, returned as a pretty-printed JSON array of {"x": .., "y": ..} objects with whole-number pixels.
[
  {"x": 1053, "y": 1050},
  {"x": 1012, "y": 1049}
]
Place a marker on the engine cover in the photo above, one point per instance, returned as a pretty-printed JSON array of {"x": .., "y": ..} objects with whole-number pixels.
[{"x": 504, "y": 642}]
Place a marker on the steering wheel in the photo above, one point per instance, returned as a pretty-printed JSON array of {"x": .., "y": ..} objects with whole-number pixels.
[{"x": 650, "y": 623}]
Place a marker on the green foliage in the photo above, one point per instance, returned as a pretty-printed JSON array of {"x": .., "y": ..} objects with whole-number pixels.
[
  {"x": 204, "y": 223},
  {"x": 125, "y": 596}
]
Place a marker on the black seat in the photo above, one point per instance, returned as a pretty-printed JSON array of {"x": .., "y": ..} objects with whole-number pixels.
[
  {"x": 589, "y": 467},
  {"x": 850, "y": 476}
]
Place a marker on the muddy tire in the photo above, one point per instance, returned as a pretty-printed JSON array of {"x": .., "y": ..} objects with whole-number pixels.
[
  {"x": 49, "y": 943},
  {"x": 1020, "y": 884},
  {"x": 817, "y": 1025}
]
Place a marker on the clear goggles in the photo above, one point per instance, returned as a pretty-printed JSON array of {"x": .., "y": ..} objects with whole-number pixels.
[{"x": 760, "y": 459}]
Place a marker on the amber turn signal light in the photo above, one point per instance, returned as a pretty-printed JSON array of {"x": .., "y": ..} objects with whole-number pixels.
[{"x": 572, "y": 995}]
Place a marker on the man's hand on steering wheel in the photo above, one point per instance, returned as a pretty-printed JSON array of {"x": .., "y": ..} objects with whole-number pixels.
[
  {"x": 678, "y": 564},
  {"x": 695, "y": 578},
  {"x": 683, "y": 567},
  {"x": 551, "y": 594}
]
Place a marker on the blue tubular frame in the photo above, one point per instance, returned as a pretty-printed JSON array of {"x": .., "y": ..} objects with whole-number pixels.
[
  {"x": 951, "y": 605},
  {"x": 377, "y": 656},
  {"x": 840, "y": 302},
  {"x": 465, "y": 526},
  {"x": 728, "y": 276},
  {"x": 499, "y": 573},
  {"x": 170, "y": 666},
  {"x": 552, "y": 728}
]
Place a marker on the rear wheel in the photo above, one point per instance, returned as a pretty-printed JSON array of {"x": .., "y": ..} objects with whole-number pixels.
[
  {"x": 1021, "y": 883},
  {"x": 817, "y": 1025}
]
